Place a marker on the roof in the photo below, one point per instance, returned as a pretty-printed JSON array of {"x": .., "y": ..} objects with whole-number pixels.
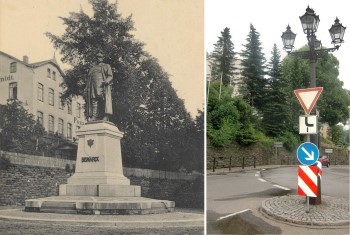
[{"x": 52, "y": 61}]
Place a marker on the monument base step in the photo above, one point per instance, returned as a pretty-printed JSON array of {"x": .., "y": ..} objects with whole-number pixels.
[
  {"x": 101, "y": 190},
  {"x": 99, "y": 205}
]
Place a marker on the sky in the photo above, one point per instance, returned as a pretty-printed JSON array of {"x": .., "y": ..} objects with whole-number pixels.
[
  {"x": 270, "y": 18},
  {"x": 173, "y": 31}
]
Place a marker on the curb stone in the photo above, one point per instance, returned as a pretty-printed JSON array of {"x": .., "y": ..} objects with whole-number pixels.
[{"x": 332, "y": 211}]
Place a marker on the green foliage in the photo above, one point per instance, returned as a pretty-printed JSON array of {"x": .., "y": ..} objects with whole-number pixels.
[
  {"x": 229, "y": 119},
  {"x": 222, "y": 115},
  {"x": 247, "y": 136},
  {"x": 337, "y": 135},
  {"x": 221, "y": 60},
  {"x": 159, "y": 132},
  {"x": 269, "y": 109},
  {"x": 334, "y": 100},
  {"x": 290, "y": 141},
  {"x": 253, "y": 62},
  {"x": 276, "y": 111}
]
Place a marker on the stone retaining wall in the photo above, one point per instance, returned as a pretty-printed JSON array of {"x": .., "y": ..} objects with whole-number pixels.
[
  {"x": 32, "y": 160},
  {"x": 20, "y": 182},
  {"x": 264, "y": 155}
]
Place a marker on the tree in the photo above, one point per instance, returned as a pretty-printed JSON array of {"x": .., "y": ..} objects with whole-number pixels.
[
  {"x": 337, "y": 135},
  {"x": 253, "y": 62},
  {"x": 222, "y": 58},
  {"x": 276, "y": 112},
  {"x": 145, "y": 105},
  {"x": 333, "y": 102},
  {"x": 19, "y": 129},
  {"x": 222, "y": 116}
]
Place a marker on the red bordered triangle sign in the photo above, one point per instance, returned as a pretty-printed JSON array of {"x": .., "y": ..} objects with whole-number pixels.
[{"x": 308, "y": 97}]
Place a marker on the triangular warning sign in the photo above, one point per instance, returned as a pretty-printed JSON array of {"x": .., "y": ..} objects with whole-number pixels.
[{"x": 308, "y": 97}]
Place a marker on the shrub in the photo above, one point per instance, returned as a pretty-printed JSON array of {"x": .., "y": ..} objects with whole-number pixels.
[{"x": 5, "y": 163}]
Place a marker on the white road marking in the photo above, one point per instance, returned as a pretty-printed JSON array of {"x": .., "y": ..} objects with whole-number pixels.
[
  {"x": 279, "y": 186},
  {"x": 262, "y": 180},
  {"x": 223, "y": 217}
]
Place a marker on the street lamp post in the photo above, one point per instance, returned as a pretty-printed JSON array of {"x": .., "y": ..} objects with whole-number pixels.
[{"x": 309, "y": 22}]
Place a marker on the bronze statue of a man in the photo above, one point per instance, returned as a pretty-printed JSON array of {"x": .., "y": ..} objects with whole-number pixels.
[{"x": 98, "y": 90}]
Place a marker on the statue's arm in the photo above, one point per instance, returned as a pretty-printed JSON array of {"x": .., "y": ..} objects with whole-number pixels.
[{"x": 109, "y": 74}]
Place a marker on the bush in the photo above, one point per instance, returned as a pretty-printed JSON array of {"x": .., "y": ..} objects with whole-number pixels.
[
  {"x": 67, "y": 168},
  {"x": 5, "y": 163},
  {"x": 290, "y": 141}
]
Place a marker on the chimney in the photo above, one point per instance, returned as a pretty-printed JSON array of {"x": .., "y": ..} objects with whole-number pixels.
[{"x": 25, "y": 59}]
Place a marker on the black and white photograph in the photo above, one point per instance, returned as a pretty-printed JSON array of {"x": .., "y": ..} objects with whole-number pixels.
[{"x": 102, "y": 117}]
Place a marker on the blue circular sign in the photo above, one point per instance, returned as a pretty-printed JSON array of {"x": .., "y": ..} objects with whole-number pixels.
[{"x": 307, "y": 153}]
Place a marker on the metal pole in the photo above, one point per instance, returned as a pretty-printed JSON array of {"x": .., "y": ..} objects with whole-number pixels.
[
  {"x": 307, "y": 205},
  {"x": 276, "y": 156},
  {"x": 243, "y": 163},
  {"x": 214, "y": 164},
  {"x": 230, "y": 163}
]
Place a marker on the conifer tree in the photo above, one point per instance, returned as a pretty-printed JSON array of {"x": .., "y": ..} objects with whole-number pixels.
[
  {"x": 253, "y": 62},
  {"x": 222, "y": 58},
  {"x": 276, "y": 108}
]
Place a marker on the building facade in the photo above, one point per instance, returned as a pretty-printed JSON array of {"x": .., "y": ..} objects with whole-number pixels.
[
  {"x": 37, "y": 86},
  {"x": 236, "y": 81}
]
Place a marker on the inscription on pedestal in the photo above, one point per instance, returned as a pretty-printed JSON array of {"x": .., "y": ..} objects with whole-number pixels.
[{"x": 90, "y": 159}]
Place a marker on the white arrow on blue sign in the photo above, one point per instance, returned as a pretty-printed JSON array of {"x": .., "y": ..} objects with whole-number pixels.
[{"x": 307, "y": 153}]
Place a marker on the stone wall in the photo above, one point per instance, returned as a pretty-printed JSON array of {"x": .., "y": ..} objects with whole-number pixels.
[
  {"x": 20, "y": 182},
  {"x": 264, "y": 155}
]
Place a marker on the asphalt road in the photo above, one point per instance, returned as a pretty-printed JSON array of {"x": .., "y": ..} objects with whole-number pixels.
[
  {"x": 234, "y": 199},
  {"x": 334, "y": 181}
]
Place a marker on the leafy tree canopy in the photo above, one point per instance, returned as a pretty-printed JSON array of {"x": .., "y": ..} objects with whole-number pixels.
[{"x": 145, "y": 105}]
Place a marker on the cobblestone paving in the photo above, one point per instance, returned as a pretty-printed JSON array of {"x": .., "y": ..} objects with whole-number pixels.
[{"x": 332, "y": 211}]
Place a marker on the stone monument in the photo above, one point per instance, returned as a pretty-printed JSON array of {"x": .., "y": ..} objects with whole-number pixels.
[{"x": 99, "y": 185}]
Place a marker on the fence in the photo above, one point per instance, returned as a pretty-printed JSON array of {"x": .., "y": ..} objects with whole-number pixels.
[{"x": 32, "y": 160}]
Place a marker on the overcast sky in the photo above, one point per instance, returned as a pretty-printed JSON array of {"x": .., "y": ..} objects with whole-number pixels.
[
  {"x": 173, "y": 31},
  {"x": 270, "y": 18}
]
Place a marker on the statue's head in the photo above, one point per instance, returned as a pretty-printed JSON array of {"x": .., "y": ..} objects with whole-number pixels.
[{"x": 99, "y": 57}]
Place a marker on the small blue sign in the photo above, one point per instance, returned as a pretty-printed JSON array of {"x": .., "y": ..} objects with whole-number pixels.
[{"x": 307, "y": 153}]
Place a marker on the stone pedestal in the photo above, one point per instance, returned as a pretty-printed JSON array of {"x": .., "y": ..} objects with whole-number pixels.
[
  {"x": 99, "y": 185},
  {"x": 99, "y": 167}
]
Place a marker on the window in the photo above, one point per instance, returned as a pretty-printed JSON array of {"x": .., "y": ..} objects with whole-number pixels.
[
  {"x": 78, "y": 110},
  {"x": 69, "y": 130},
  {"x": 51, "y": 97},
  {"x": 13, "y": 67},
  {"x": 69, "y": 105},
  {"x": 40, "y": 118},
  {"x": 51, "y": 124},
  {"x": 40, "y": 92},
  {"x": 13, "y": 90},
  {"x": 48, "y": 73},
  {"x": 60, "y": 102},
  {"x": 54, "y": 75},
  {"x": 60, "y": 126}
]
